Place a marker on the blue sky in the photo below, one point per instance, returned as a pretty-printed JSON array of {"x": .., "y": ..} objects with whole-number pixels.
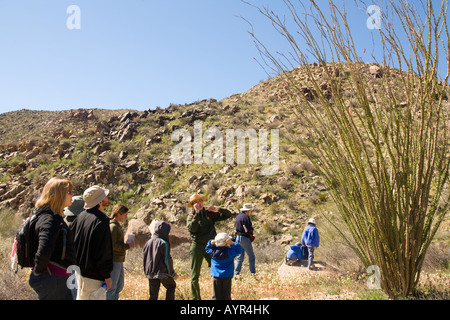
[{"x": 135, "y": 54}]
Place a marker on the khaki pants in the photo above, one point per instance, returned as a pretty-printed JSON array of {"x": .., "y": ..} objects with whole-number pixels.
[{"x": 90, "y": 289}]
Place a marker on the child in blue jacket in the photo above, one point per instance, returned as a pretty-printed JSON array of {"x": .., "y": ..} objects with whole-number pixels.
[
  {"x": 295, "y": 254},
  {"x": 311, "y": 239},
  {"x": 223, "y": 251}
]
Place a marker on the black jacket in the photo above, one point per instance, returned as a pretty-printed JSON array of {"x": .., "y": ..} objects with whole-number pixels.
[
  {"x": 93, "y": 244},
  {"x": 157, "y": 260},
  {"x": 53, "y": 241}
]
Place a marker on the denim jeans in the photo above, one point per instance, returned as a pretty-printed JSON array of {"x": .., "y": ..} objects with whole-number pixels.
[
  {"x": 118, "y": 279},
  {"x": 50, "y": 287},
  {"x": 247, "y": 247},
  {"x": 310, "y": 256}
]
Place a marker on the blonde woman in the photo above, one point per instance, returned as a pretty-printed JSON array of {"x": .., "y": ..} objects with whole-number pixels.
[{"x": 54, "y": 242}]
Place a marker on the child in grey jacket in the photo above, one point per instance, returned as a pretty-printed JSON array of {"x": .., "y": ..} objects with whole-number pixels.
[{"x": 158, "y": 263}]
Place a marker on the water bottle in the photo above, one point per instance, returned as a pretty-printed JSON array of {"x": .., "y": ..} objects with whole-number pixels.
[{"x": 99, "y": 294}]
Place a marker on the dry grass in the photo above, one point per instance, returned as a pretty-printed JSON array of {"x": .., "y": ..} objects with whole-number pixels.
[
  {"x": 13, "y": 286},
  {"x": 266, "y": 284},
  {"x": 349, "y": 282}
]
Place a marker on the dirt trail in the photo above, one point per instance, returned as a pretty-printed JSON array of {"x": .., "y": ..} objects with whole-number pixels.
[
  {"x": 301, "y": 268},
  {"x": 321, "y": 269}
]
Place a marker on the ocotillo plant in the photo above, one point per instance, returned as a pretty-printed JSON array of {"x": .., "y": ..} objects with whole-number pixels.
[{"x": 384, "y": 153}]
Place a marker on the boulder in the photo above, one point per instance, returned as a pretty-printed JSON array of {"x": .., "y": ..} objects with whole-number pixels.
[
  {"x": 241, "y": 191},
  {"x": 375, "y": 71},
  {"x": 140, "y": 230},
  {"x": 269, "y": 198},
  {"x": 177, "y": 234},
  {"x": 143, "y": 232},
  {"x": 286, "y": 239},
  {"x": 225, "y": 192}
]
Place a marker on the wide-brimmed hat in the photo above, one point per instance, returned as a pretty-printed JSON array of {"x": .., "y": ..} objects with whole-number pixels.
[
  {"x": 313, "y": 221},
  {"x": 247, "y": 207},
  {"x": 93, "y": 196},
  {"x": 76, "y": 207},
  {"x": 221, "y": 239},
  {"x": 194, "y": 198}
]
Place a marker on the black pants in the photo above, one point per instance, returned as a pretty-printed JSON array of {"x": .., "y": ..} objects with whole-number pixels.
[
  {"x": 222, "y": 288},
  {"x": 168, "y": 283}
]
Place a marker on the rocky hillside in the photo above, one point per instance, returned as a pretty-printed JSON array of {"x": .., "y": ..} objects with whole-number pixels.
[{"x": 129, "y": 152}]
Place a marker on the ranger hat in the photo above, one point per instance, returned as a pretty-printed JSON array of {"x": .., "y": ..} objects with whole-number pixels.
[{"x": 194, "y": 198}]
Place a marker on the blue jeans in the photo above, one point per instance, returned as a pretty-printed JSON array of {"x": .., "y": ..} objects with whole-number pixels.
[
  {"x": 310, "y": 256},
  {"x": 118, "y": 279},
  {"x": 50, "y": 287},
  {"x": 247, "y": 247}
]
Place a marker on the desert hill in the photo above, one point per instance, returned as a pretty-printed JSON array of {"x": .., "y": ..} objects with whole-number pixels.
[{"x": 129, "y": 152}]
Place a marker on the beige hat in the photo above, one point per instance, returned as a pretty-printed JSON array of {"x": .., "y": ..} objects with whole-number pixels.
[
  {"x": 93, "y": 196},
  {"x": 247, "y": 207},
  {"x": 221, "y": 239},
  {"x": 194, "y": 198}
]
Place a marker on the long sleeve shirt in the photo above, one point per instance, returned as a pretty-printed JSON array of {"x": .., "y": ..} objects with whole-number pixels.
[
  {"x": 222, "y": 259},
  {"x": 119, "y": 246},
  {"x": 310, "y": 236},
  {"x": 243, "y": 224},
  {"x": 201, "y": 225},
  {"x": 93, "y": 244}
]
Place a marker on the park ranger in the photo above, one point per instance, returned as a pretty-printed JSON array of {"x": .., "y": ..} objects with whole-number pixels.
[{"x": 200, "y": 223}]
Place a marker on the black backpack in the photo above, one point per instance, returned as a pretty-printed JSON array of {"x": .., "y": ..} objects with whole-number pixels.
[{"x": 23, "y": 248}]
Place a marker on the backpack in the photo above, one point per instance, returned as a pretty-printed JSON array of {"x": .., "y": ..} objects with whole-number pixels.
[
  {"x": 23, "y": 252},
  {"x": 24, "y": 247}
]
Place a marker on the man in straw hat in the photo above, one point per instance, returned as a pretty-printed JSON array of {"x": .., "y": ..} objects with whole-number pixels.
[
  {"x": 94, "y": 245},
  {"x": 200, "y": 223},
  {"x": 244, "y": 235}
]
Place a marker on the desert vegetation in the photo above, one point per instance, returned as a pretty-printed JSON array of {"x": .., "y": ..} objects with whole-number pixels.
[
  {"x": 383, "y": 153},
  {"x": 347, "y": 280},
  {"x": 363, "y": 149}
]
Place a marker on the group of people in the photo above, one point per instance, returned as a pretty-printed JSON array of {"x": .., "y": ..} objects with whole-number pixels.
[
  {"x": 304, "y": 250},
  {"x": 221, "y": 249},
  {"x": 75, "y": 231}
]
